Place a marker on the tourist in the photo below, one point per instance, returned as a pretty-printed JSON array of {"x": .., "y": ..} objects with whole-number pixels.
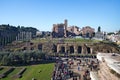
[{"x": 78, "y": 68}]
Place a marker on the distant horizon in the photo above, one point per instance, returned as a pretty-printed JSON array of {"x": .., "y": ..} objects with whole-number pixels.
[
  {"x": 42, "y": 14},
  {"x": 59, "y": 23}
]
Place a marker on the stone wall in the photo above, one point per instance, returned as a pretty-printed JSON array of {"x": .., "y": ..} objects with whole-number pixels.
[{"x": 71, "y": 48}]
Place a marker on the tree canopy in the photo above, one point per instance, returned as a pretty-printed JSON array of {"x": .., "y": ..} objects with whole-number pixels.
[
  {"x": 99, "y": 29},
  {"x": 8, "y": 33},
  {"x": 21, "y": 58}
]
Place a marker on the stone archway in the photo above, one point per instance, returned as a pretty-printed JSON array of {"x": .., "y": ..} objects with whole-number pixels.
[
  {"x": 87, "y": 35},
  {"x": 71, "y": 49},
  {"x": 108, "y": 51},
  {"x": 62, "y": 49},
  {"x": 88, "y": 50},
  {"x": 79, "y": 50},
  {"x": 54, "y": 48},
  {"x": 40, "y": 47}
]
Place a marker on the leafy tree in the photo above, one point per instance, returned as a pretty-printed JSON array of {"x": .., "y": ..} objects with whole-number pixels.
[
  {"x": 5, "y": 60},
  {"x": 99, "y": 29},
  {"x": 110, "y": 33},
  {"x": 8, "y": 33}
]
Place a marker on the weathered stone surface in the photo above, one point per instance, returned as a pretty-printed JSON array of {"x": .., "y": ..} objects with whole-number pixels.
[
  {"x": 105, "y": 74},
  {"x": 72, "y": 48}
]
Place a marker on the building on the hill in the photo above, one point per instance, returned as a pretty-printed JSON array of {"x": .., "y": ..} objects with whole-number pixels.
[
  {"x": 100, "y": 35},
  {"x": 59, "y": 30},
  {"x": 62, "y": 30},
  {"x": 23, "y": 36},
  {"x": 73, "y": 30},
  {"x": 43, "y": 34},
  {"x": 87, "y": 32},
  {"x": 7, "y": 34},
  {"x": 114, "y": 38}
]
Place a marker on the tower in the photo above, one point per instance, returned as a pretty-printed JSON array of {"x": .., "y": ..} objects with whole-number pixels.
[{"x": 65, "y": 28}]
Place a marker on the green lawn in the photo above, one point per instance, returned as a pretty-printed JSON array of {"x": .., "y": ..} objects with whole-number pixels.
[
  {"x": 3, "y": 70},
  {"x": 33, "y": 71},
  {"x": 55, "y": 40},
  {"x": 10, "y": 75}
]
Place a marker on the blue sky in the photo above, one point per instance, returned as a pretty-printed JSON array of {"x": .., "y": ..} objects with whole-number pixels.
[{"x": 42, "y": 14}]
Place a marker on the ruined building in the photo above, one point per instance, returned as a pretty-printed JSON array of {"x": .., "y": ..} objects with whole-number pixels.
[
  {"x": 87, "y": 32},
  {"x": 62, "y": 30}
]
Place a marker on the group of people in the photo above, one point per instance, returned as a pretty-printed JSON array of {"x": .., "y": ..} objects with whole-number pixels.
[
  {"x": 92, "y": 64},
  {"x": 61, "y": 71}
]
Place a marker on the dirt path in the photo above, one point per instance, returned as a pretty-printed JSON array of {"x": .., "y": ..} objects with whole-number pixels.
[{"x": 80, "y": 72}]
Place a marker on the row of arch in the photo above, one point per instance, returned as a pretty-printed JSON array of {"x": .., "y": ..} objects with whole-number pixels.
[
  {"x": 68, "y": 49},
  {"x": 72, "y": 49}
]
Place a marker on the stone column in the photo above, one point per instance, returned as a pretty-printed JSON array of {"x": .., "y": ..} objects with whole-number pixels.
[
  {"x": 30, "y": 35},
  {"x": 18, "y": 36},
  {"x": 58, "y": 48},
  {"x": 75, "y": 49},
  {"x": 22, "y": 36},
  {"x": 66, "y": 48},
  {"x": 91, "y": 50},
  {"x": 82, "y": 48}
]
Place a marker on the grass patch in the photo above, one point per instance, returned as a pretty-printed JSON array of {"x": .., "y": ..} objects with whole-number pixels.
[
  {"x": 39, "y": 72},
  {"x": 66, "y": 40},
  {"x": 10, "y": 75},
  {"x": 3, "y": 70}
]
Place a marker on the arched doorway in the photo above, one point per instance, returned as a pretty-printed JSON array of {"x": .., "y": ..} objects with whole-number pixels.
[
  {"x": 71, "y": 49},
  {"x": 54, "y": 48},
  {"x": 79, "y": 49},
  {"x": 40, "y": 47},
  {"x": 88, "y": 50},
  {"x": 87, "y": 35},
  {"x": 62, "y": 49}
]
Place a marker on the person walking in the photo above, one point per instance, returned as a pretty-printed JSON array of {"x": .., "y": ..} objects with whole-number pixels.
[{"x": 78, "y": 68}]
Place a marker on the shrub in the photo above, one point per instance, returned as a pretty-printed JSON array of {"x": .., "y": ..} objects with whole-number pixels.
[{"x": 1, "y": 68}]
